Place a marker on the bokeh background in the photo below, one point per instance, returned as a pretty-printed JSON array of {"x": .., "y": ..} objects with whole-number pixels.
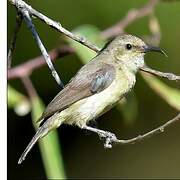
[{"x": 83, "y": 153}]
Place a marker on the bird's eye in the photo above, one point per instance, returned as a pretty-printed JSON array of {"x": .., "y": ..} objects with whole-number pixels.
[{"x": 128, "y": 46}]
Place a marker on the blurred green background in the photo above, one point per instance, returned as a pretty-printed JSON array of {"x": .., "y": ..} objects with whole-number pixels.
[{"x": 83, "y": 153}]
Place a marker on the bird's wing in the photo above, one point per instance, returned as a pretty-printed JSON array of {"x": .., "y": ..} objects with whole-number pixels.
[{"x": 84, "y": 84}]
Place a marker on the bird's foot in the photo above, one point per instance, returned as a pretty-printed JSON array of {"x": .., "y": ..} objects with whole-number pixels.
[{"x": 108, "y": 136}]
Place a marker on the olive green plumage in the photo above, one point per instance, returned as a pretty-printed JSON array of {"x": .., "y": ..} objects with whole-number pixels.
[{"x": 96, "y": 87}]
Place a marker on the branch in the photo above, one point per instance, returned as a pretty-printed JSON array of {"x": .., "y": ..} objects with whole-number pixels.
[
  {"x": 158, "y": 130},
  {"x": 132, "y": 15},
  {"x": 41, "y": 46},
  {"x": 155, "y": 39},
  {"x": 56, "y": 25},
  {"x": 25, "y": 69},
  {"x": 169, "y": 76},
  {"x": 28, "y": 67},
  {"x": 149, "y": 134},
  {"x": 13, "y": 40},
  {"x": 29, "y": 87}
]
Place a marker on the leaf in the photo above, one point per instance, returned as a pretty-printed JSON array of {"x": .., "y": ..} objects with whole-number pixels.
[
  {"x": 92, "y": 34},
  {"x": 18, "y": 102},
  {"x": 49, "y": 146},
  {"x": 169, "y": 94}
]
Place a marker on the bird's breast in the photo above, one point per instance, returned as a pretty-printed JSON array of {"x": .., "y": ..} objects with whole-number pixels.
[{"x": 92, "y": 107}]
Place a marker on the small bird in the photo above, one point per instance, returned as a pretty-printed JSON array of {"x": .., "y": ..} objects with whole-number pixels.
[{"x": 95, "y": 89}]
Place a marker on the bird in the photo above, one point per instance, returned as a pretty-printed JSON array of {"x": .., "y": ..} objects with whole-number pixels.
[{"x": 95, "y": 89}]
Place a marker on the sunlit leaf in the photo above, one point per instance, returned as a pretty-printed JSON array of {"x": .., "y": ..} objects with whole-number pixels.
[
  {"x": 169, "y": 94},
  {"x": 91, "y": 33},
  {"x": 18, "y": 102},
  {"x": 49, "y": 146}
]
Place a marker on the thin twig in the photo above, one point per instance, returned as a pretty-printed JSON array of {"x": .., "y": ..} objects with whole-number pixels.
[
  {"x": 158, "y": 130},
  {"x": 41, "y": 46},
  {"x": 25, "y": 69},
  {"x": 29, "y": 87},
  {"x": 156, "y": 37},
  {"x": 33, "y": 64},
  {"x": 132, "y": 15},
  {"x": 19, "y": 19},
  {"x": 169, "y": 76},
  {"x": 56, "y": 25}
]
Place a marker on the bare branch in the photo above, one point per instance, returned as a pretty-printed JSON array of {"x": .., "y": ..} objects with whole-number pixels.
[
  {"x": 56, "y": 25},
  {"x": 30, "y": 65},
  {"x": 155, "y": 39},
  {"x": 29, "y": 86},
  {"x": 114, "y": 30},
  {"x": 41, "y": 46},
  {"x": 132, "y": 15},
  {"x": 158, "y": 130},
  {"x": 149, "y": 134},
  {"x": 13, "y": 40},
  {"x": 169, "y": 76}
]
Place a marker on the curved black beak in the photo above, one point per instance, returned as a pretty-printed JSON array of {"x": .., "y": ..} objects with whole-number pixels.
[{"x": 149, "y": 48}]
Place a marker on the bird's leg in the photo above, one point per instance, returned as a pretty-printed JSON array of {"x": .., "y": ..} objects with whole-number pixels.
[{"x": 109, "y": 137}]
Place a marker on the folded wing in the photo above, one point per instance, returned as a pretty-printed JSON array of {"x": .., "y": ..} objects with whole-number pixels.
[{"x": 84, "y": 84}]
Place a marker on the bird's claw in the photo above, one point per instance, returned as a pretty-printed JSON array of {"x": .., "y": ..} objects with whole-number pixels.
[{"x": 109, "y": 139}]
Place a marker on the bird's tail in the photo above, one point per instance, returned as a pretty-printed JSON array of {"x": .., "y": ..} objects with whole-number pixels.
[{"x": 42, "y": 131}]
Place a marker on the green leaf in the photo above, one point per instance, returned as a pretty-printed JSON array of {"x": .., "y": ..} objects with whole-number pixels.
[
  {"x": 49, "y": 146},
  {"x": 92, "y": 34},
  {"x": 18, "y": 102},
  {"x": 169, "y": 94}
]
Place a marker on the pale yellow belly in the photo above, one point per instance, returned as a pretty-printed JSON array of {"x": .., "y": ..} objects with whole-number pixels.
[{"x": 81, "y": 112}]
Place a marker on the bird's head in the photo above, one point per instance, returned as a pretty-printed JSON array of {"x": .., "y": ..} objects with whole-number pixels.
[{"x": 130, "y": 50}]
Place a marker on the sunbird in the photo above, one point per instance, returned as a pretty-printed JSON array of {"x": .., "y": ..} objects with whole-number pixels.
[{"x": 96, "y": 88}]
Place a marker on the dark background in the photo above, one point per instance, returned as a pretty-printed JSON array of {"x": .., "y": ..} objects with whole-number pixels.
[{"x": 83, "y": 154}]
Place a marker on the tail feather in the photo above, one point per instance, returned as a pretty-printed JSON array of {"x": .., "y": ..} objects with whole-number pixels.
[{"x": 42, "y": 131}]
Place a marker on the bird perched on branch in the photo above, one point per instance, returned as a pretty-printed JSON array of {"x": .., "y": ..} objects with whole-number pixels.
[{"x": 95, "y": 89}]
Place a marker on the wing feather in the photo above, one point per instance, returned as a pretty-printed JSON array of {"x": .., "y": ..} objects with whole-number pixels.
[{"x": 83, "y": 85}]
